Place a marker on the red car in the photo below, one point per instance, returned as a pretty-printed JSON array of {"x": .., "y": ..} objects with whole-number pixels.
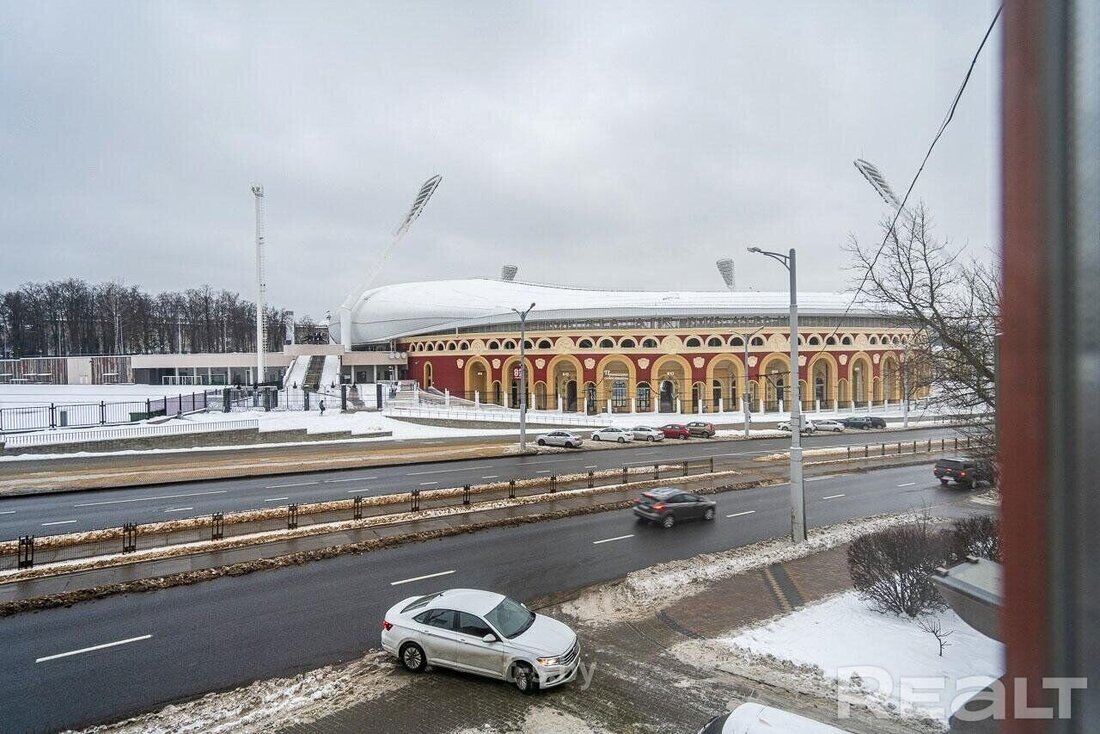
[{"x": 675, "y": 430}]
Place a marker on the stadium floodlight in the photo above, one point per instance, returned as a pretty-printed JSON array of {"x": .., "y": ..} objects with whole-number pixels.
[
  {"x": 878, "y": 181},
  {"x": 508, "y": 273},
  {"x": 725, "y": 267},
  {"x": 421, "y": 200}
]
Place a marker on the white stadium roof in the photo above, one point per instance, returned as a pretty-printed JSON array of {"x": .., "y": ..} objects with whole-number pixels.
[{"x": 429, "y": 307}]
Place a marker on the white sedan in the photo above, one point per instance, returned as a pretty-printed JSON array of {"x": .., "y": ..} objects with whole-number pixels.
[
  {"x": 561, "y": 438},
  {"x": 612, "y": 433},
  {"x": 829, "y": 425},
  {"x": 481, "y": 632},
  {"x": 647, "y": 433},
  {"x": 807, "y": 427}
]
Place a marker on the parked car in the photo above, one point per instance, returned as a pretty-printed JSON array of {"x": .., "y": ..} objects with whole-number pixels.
[
  {"x": 647, "y": 433},
  {"x": 613, "y": 433},
  {"x": 702, "y": 428},
  {"x": 669, "y": 505},
  {"x": 808, "y": 426},
  {"x": 675, "y": 430},
  {"x": 481, "y": 632},
  {"x": 756, "y": 718},
  {"x": 967, "y": 472},
  {"x": 561, "y": 438},
  {"x": 863, "y": 421},
  {"x": 829, "y": 425}
]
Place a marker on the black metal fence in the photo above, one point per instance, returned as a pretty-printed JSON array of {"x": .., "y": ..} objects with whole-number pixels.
[
  {"x": 27, "y": 550},
  {"x": 85, "y": 415}
]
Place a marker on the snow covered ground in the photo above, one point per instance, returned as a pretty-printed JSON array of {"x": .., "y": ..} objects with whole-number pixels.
[
  {"x": 842, "y": 635},
  {"x": 12, "y": 396}
]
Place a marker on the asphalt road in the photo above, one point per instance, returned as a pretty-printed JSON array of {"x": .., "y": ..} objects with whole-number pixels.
[
  {"x": 112, "y": 658},
  {"x": 51, "y": 514}
]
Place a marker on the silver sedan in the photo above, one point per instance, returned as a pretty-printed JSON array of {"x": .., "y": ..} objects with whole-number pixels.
[
  {"x": 481, "y": 632},
  {"x": 561, "y": 438},
  {"x": 647, "y": 433}
]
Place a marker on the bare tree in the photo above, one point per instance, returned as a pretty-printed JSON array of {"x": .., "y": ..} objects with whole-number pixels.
[
  {"x": 934, "y": 627},
  {"x": 952, "y": 305}
]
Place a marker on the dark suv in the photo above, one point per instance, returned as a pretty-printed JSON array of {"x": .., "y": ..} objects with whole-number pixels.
[
  {"x": 967, "y": 472},
  {"x": 668, "y": 506},
  {"x": 701, "y": 428},
  {"x": 863, "y": 421}
]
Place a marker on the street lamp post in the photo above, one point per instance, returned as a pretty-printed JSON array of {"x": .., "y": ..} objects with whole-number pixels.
[
  {"x": 798, "y": 494},
  {"x": 522, "y": 377}
]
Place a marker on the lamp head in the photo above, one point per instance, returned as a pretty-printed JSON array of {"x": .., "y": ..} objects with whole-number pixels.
[{"x": 755, "y": 249}]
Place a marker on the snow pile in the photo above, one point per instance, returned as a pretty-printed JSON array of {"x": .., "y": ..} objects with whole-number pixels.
[
  {"x": 843, "y": 632},
  {"x": 643, "y": 591},
  {"x": 268, "y": 705},
  {"x": 542, "y": 720}
]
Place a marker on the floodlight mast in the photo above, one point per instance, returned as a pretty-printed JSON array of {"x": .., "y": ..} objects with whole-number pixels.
[
  {"x": 261, "y": 284},
  {"x": 725, "y": 267},
  {"x": 421, "y": 200},
  {"x": 878, "y": 182}
]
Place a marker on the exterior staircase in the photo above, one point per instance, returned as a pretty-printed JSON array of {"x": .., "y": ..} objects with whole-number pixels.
[{"x": 312, "y": 379}]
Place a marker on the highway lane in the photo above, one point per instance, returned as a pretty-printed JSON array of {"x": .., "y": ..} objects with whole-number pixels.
[
  {"x": 69, "y": 512},
  {"x": 183, "y": 641}
]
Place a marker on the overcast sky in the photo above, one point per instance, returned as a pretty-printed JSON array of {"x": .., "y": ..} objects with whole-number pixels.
[{"x": 626, "y": 145}]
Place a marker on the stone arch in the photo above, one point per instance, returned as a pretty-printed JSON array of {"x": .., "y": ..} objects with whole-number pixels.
[
  {"x": 725, "y": 376},
  {"x": 671, "y": 380},
  {"x": 693, "y": 342},
  {"x": 565, "y": 374},
  {"x": 510, "y": 383},
  {"x": 891, "y": 378},
  {"x": 545, "y": 344},
  {"x": 606, "y": 343},
  {"x": 426, "y": 376},
  {"x": 737, "y": 341},
  {"x": 627, "y": 343},
  {"x": 540, "y": 395},
  {"x": 822, "y": 373},
  {"x": 584, "y": 343},
  {"x": 618, "y": 387},
  {"x": 477, "y": 378},
  {"x": 860, "y": 378},
  {"x": 774, "y": 379},
  {"x": 649, "y": 343},
  {"x": 715, "y": 341},
  {"x": 698, "y": 395}
]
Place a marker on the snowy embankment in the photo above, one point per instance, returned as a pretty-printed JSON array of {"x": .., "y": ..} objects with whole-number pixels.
[
  {"x": 15, "y": 396},
  {"x": 883, "y": 659}
]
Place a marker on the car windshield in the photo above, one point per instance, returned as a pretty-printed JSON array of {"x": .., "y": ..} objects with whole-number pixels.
[{"x": 510, "y": 617}]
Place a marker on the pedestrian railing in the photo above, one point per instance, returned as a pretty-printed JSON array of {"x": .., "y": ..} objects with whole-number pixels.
[
  {"x": 53, "y": 438},
  {"x": 83, "y": 415},
  {"x": 28, "y": 550}
]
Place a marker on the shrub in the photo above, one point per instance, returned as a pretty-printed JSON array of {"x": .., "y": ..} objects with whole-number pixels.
[
  {"x": 892, "y": 568},
  {"x": 976, "y": 536}
]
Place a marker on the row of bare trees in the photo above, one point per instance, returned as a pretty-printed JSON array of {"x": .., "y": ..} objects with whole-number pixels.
[
  {"x": 72, "y": 317},
  {"x": 952, "y": 303}
]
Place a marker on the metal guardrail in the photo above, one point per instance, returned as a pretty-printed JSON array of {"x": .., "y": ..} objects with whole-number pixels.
[
  {"x": 28, "y": 551},
  {"x": 20, "y": 440}
]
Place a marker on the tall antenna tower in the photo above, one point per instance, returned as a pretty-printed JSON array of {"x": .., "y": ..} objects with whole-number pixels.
[{"x": 261, "y": 282}]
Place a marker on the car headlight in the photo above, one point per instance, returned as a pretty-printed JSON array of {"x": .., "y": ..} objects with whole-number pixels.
[{"x": 549, "y": 661}]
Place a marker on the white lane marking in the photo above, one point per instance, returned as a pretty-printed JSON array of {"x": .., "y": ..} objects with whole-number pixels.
[
  {"x": 544, "y": 471},
  {"x": 59, "y": 522},
  {"x": 92, "y": 648},
  {"x": 818, "y": 479},
  {"x": 7, "y": 512},
  {"x": 276, "y": 499},
  {"x": 609, "y": 540},
  {"x": 149, "y": 499},
  {"x": 179, "y": 509},
  {"x": 421, "y": 578},
  {"x": 739, "y": 514},
  {"x": 448, "y": 471},
  {"x": 491, "y": 476},
  {"x": 294, "y": 484},
  {"x": 427, "y": 484},
  {"x": 352, "y": 479},
  {"x": 357, "y": 491},
  {"x": 832, "y": 496},
  {"x": 592, "y": 466},
  {"x": 907, "y": 484}
]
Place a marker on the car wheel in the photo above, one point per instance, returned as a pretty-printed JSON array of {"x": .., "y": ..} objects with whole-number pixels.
[
  {"x": 412, "y": 658},
  {"x": 542, "y": 442},
  {"x": 972, "y": 484},
  {"x": 622, "y": 440},
  {"x": 709, "y": 514},
  {"x": 683, "y": 436},
  {"x": 651, "y": 439},
  {"x": 525, "y": 679},
  {"x": 669, "y": 520},
  {"x": 595, "y": 437},
  {"x": 943, "y": 482}
]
